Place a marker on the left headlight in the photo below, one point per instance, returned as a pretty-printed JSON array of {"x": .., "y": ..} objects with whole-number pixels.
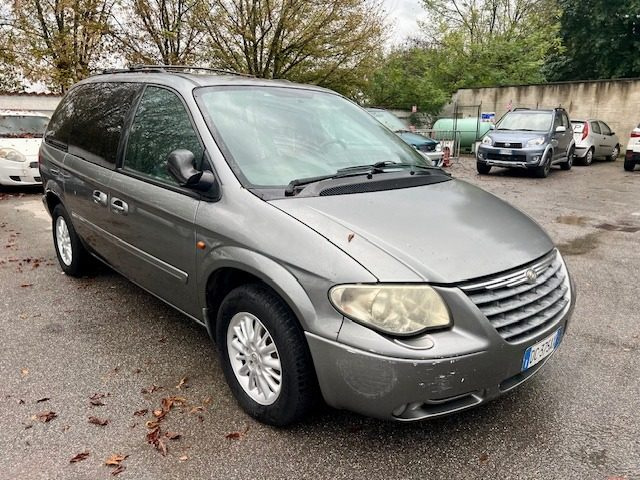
[
  {"x": 438, "y": 147},
  {"x": 392, "y": 309},
  {"x": 534, "y": 142},
  {"x": 12, "y": 155},
  {"x": 487, "y": 140}
]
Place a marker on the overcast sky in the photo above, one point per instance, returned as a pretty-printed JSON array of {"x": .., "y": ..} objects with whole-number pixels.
[{"x": 405, "y": 14}]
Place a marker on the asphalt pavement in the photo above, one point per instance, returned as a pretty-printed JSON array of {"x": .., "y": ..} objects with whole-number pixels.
[{"x": 85, "y": 362}]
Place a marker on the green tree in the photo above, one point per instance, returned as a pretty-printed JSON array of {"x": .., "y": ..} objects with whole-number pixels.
[
  {"x": 334, "y": 43},
  {"x": 9, "y": 75},
  {"x": 60, "y": 41},
  {"x": 601, "y": 39},
  {"x": 407, "y": 78},
  {"x": 492, "y": 42}
]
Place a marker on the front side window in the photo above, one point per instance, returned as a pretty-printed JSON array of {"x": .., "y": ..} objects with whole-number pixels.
[
  {"x": 161, "y": 125},
  {"x": 22, "y": 126},
  {"x": 273, "y": 135},
  {"x": 525, "y": 120}
]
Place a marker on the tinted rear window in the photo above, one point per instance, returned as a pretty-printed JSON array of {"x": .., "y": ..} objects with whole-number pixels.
[{"x": 89, "y": 120}]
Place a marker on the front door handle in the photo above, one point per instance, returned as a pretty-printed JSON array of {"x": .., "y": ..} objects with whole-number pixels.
[
  {"x": 99, "y": 197},
  {"x": 119, "y": 206}
]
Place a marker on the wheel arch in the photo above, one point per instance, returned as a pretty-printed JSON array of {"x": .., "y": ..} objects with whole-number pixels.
[
  {"x": 52, "y": 196},
  {"x": 229, "y": 267}
]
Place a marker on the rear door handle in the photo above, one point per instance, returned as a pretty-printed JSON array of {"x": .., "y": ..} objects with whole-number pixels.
[
  {"x": 119, "y": 206},
  {"x": 99, "y": 197},
  {"x": 54, "y": 171}
]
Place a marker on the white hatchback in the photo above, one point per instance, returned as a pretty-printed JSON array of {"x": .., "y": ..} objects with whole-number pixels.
[
  {"x": 20, "y": 138},
  {"x": 632, "y": 155}
]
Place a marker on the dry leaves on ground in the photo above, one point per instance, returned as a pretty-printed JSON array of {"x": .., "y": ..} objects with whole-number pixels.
[
  {"x": 182, "y": 384},
  {"x": 98, "y": 421},
  {"x": 79, "y": 457},
  {"x": 115, "y": 459},
  {"x": 236, "y": 435},
  {"x": 45, "y": 416}
]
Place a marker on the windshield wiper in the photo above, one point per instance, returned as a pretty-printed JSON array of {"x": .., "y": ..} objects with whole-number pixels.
[{"x": 378, "y": 167}]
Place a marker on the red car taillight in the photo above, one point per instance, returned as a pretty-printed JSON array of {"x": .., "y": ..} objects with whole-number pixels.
[
  {"x": 635, "y": 133},
  {"x": 585, "y": 130}
]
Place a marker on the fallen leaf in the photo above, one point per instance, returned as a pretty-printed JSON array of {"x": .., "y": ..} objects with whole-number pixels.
[
  {"x": 207, "y": 401},
  {"x": 153, "y": 435},
  {"x": 44, "y": 399},
  {"x": 115, "y": 459},
  {"x": 235, "y": 435},
  {"x": 162, "y": 447},
  {"x": 118, "y": 469},
  {"x": 484, "y": 458},
  {"x": 24, "y": 372},
  {"x": 141, "y": 413},
  {"x": 25, "y": 285},
  {"x": 97, "y": 396},
  {"x": 182, "y": 384},
  {"x": 79, "y": 457},
  {"x": 98, "y": 421},
  {"x": 184, "y": 458},
  {"x": 159, "y": 414},
  {"x": 196, "y": 409},
  {"x": 151, "y": 424},
  {"x": 96, "y": 403},
  {"x": 172, "y": 435},
  {"x": 151, "y": 389},
  {"x": 45, "y": 416}
]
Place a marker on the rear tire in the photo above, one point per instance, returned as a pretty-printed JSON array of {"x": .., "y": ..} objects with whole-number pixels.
[
  {"x": 483, "y": 168},
  {"x": 278, "y": 387},
  {"x": 614, "y": 154},
  {"x": 543, "y": 170},
  {"x": 588, "y": 158},
  {"x": 72, "y": 256},
  {"x": 629, "y": 165}
]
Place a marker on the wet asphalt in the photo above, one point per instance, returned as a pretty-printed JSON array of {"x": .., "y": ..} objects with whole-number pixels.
[{"x": 66, "y": 342}]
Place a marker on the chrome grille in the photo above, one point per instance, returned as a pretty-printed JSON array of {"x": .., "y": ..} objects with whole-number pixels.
[{"x": 518, "y": 306}]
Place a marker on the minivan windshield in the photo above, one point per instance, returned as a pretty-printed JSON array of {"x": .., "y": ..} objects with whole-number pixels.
[
  {"x": 274, "y": 135},
  {"x": 526, "y": 120},
  {"x": 22, "y": 126}
]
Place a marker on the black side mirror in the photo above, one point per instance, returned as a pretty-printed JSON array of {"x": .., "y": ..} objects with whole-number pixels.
[{"x": 180, "y": 164}]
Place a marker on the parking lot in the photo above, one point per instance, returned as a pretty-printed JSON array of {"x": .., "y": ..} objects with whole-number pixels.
[{"x": 101, "y": 347}]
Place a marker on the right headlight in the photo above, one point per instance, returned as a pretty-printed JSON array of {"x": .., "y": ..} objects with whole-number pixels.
[
  {"x": 12, "y": 155},
  {"x": 487, "y": 140},
  {"x": 393, "y": 309},
  {"x": 534, "y": 142}
]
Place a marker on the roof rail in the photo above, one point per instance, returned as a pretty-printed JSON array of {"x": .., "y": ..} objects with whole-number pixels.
[{"x": 172, "y": 69}]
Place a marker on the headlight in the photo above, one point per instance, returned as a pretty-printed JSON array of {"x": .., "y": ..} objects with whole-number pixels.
[
  {"x": 535, "y": 142},
  {"x": 438, "y": 147},
  {"x": 393, "y": 309},
  {"x": 487, "y": 140},
  {"x": 12, "y": 155}
]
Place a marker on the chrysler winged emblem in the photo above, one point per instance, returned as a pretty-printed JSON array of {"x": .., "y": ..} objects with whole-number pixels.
[{"x": 531, "y": 275}]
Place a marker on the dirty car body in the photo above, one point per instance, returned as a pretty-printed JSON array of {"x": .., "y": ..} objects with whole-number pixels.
[{"x": 405, "y": 311}]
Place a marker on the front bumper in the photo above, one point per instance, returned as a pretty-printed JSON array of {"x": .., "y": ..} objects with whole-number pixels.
[
  {"x": 465, "y": 366},
  {"x": 20, "y": 173},
  {"x": 435, "y": 157},
  {"x": 511, "y": 158}
]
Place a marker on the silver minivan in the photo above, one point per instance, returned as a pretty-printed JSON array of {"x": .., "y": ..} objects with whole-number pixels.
[
  {"x": 325, "y": 259},
  {"x": 594, "y": 139}
]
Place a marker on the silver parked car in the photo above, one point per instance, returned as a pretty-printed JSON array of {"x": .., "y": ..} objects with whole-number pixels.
[
  {"x": 594, "y": 139},
  {"x": 322, "y": 255}
]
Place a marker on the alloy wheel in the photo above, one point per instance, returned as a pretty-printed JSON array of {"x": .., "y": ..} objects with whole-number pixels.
[{"x": 63, "y": 241}]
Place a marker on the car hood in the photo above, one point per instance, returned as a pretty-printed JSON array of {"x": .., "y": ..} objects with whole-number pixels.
[
  {"x": 415, "y": 138},
  {"x": 514, "y": 136},
  {"x": 27, "y": 146},
  {"x": 443, "y": 233}
]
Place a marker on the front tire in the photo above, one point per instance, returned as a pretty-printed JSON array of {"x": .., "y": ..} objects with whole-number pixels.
[
  {"x": 72, "y": 256},
  {"x": 264, "y": 356},
  {"x": 629, "y": 165},
  {"x": 483, "y": 168},
  {"x": 569, "y": 163},
  {"x": 543, "y": 170}
]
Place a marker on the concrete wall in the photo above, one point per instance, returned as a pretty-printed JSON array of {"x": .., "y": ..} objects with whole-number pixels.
[
  {"x": 39, "y": 102},
  {"x": 616, "y": 102}
]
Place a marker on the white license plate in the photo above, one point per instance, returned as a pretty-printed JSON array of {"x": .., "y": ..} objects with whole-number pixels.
[
  {"x": 506, "y": 152},
  {"x": 541, "y": 350}
]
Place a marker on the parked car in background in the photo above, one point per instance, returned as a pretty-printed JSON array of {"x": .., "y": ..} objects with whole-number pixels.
[
  {"x": 632, "y": 155},
  {"x": 426, "y": 146},
  {"x": 530, "y": 139},
  {"x": 354, "y": 273},
  {"x": 20, "y": 138},
  {"x": 594, "y": 139}
]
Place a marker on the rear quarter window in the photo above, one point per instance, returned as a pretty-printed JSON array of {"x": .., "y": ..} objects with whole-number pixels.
[{"x": 90, "y": 119}]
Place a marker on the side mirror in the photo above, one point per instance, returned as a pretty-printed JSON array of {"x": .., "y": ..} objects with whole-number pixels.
[
  {"x": 561, "y": 129},
  {"x": 492, "y": 126},
  {"x": 180, "y": 164},
  {"x": 612, "y": 134}
]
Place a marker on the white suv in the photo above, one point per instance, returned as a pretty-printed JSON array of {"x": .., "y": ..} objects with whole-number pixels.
[
  {"x": 20, "y": 138},
  {"x": 632, "y": 156}
]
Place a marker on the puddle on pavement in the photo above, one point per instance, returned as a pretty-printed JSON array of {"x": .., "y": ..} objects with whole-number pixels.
[
  {"x": 580, "y": 245},
  {"x": 572, "y": 220}
]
